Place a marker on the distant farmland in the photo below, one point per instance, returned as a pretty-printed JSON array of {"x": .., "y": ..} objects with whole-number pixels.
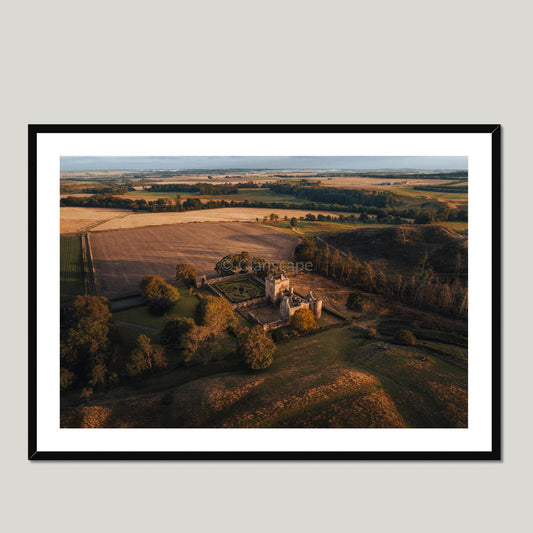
[
  {"x": 80, "y": 219},
  {"x": 226, "y": 214},
  {"x": 122, "y": 257}
]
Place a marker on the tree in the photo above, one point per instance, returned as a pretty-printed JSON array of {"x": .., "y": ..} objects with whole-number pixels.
[
  {"x": 145, "y": 357},
  {"x": 87, "y": 339},
  {"x": 201, "y": 344},
  {"x": 244, "y": 262},
  {"x": 228, "y": 264},
  {"x": 355, "y": 302},
  {"x": 159, "y": 295},
  {"x": 405, "y": 336},
  {"x": 156, "y": 287},
  {"x": 216, "y": 314},
  {"x": 294, "y": 222},
  {"x": 174, "y": 331},
  {"x": 371, "y": 333},
  {"x": 303, "y": 320},
  {"x": 101, "y": 377},
  {"x": 186, "y": 273},
  {"x": 256, "y": 348},
  {"x": 159, "y": 306},
  {"x": 424, "y": 217},
  {"x": 363, "y": 217},
  {"x": 66, "y": 378}
]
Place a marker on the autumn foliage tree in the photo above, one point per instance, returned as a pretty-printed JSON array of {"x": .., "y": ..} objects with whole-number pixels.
[
  {"x": 303, "y": 320},
  {"x": 202, "y": 343},
  {"x": 158, "y": 294},
  {"x": 215, "y": 314},
  {"x": 186, "y": 273},
  {"x": 174, "y": 331},
  {"x": 146, "y": 357},
  {"x": 256, "y": 348},
  {"x": 86, "y": 344},
  {"x": 66, "y": 378}
]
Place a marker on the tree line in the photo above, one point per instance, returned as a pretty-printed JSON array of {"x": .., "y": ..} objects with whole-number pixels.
[
  {"x": 442, "y": 188},
  {"x": 384, "y": 215},
  {"x": 423, "y": 290},
  {"x": 96, "y": 188},
  {"x": 417, "y": 175},
  {"x": 334, "y": 195},
  {"x": 200, "y": 188}
]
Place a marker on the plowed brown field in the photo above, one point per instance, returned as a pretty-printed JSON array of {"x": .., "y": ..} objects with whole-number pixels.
[{"x": 123, "y": 257}]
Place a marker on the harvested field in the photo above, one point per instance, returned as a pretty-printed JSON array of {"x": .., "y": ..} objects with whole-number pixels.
[
  {"x": 365, "y": 182},
  {"x": 81, "y": 219},
  {"x": 123, "y": 257},
  {"x": 227, "y": 214}
]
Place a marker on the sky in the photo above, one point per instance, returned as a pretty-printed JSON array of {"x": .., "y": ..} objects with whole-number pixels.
[{"x": 265, "y": 162}]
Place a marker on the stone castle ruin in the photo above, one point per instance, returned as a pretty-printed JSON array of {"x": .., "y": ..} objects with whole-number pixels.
[{"x": 279, "y": 291}]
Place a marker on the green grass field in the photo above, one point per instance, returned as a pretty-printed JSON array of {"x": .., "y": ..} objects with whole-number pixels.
[
  {"x": 403, "y": 372},
  {"x": 71, "y": 268},
  {"x": 251, "y": 195},
  {"x": 438, "y": 195},
  {"x": 333, "y": 378},
  {"x": 456, "y": 226},
  {"x": 128, "y": 335},
  {"x": 185, "y": 306},
  {"x": 320, "y": 228}
]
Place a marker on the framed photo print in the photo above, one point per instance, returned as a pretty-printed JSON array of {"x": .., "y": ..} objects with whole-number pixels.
[{"x": 264, "y": 292}]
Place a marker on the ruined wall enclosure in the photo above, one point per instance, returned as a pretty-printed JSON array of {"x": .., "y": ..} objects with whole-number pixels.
[
  {"x": 253, "y": 302},
  {"x": 277, "y": 292}
]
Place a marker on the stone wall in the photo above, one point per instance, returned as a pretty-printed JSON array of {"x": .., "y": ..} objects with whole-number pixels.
[
  {"x": 268, "y": 326},
  {"x": 254, "y": 302}
]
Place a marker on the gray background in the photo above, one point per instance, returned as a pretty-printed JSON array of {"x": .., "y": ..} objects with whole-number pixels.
[{"x": 277, "y": 62}]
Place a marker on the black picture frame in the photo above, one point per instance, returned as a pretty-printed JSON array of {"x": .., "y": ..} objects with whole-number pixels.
[{"x": 494, "y": 454}]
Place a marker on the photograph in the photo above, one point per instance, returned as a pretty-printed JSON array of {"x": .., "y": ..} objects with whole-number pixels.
[
  {"x": 266, "y": 266},
  {"x": 307, "y": 292}
]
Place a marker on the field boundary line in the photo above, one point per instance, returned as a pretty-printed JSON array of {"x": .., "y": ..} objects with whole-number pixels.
[
  {"x": 90, "y": 265},
  {"x": 84, "y": 260},
  {"x": 96, "y": 224}
]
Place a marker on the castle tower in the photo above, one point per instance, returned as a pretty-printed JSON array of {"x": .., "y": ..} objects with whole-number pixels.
[
  {"x": 316, "y": 307},
  {"x": 275, "y": 286},
  {"x": 315, "y": 304},
  {"x": 285, "y": 308}
]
